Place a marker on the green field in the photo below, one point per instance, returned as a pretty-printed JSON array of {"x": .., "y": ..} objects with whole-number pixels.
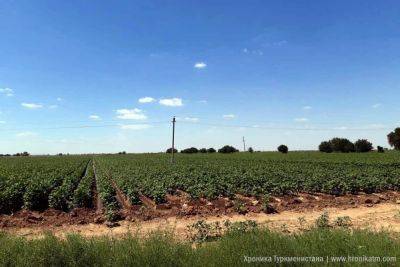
[
  {"x": 66, "y": 182},
  {"x": 69, "y": 182}
]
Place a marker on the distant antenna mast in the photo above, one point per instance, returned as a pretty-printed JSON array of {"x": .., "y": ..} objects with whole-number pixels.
[{"x": 244, "y": 145}]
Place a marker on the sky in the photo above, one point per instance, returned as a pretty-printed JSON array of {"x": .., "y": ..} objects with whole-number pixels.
[{"x": 108, "y": 76}]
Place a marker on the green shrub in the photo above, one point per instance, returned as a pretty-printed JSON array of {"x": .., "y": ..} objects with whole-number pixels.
[
  {"x": 283, "y": 149},
  {"x": 326, "y": 147},
  {"x": 227, "y": 149},
  {"x": 363, "y": 145},
  {"x": 342, "y": 145}
]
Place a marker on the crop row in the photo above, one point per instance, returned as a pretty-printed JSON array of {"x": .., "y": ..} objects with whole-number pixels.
[
  {"x": 68, "y": 182},
  {"x": 211, "y": 176},
  {"x": 83, "y": 194},
  {"x": 107, "y": 192},
  {"x": 34, "y": 183}
]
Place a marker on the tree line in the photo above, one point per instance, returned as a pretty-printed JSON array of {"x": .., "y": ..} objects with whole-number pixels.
[
  {"x": 344, "y": 145},
  {"x": 336, "y": 144},
  {"x": 194, "y": 150}
]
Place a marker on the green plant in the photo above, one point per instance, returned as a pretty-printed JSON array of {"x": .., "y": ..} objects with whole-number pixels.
[
  {"x": 394, "y": 138},
  {"x": 191, "y": 150},
  {"x": 325, "y": 147},
  {"x": 227, "y": 149},
  {"x": 344, "y": 221},
  {"x": 283, "y": 149},
  {"x": 239, "y": 206},
  {"x": 240, "y": 227},
  {"x": 211, "y": 150},
  {"x": 341, "y": 145},
  {"x": 323, "y": 221},
  {"x": 201, "y": 231},
  {"x": 363, "y": 145}
]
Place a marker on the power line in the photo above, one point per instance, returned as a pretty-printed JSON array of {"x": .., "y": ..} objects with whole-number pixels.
[
  {"x": 83, "y": 126},
  {"x": 182, "y": 117},
  {"x": 282, "y": 128},
  {"x": 200, "y": 124}
]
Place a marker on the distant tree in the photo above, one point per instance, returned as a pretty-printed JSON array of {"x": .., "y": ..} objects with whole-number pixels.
[
  {"x": 283, "y": 149},
  {"x": 363, "y": 145},
  {"x": 211, "y": 150},
  {"x": 23, "y": 154},
  {"x": 169, "y": 150},
  {"x": 380, "y": 149},
  {"x": 326, "y": 147},
  {"x": 342, "y": 145},
  {"x": 203, "y": 150},
  {"x": 227, "y": 149},
  {"x": 394, "y": 138},
  {"x": 122, "y": 153},
  {"x": 251, "y": 150},
  {"x": 191, "y": 150}
]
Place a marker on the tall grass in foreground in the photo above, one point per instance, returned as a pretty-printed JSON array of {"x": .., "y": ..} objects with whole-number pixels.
[{"x": 162, "y": 249}]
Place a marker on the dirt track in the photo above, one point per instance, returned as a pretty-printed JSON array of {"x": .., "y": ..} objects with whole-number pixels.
[
  {"x": 381, "y": 216},
  {"x": 365, "y": 210}
]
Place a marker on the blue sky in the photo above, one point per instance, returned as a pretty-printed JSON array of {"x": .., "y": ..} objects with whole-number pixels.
[{"x": 293, "y": 72}]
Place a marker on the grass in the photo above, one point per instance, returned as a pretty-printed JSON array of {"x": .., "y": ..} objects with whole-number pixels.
[{"x": 161, "y": 249}]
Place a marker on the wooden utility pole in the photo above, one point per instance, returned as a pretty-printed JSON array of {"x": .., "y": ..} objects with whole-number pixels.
[
  {"x": 173, "y": 140},
  {"x": 244, "y": 145}
]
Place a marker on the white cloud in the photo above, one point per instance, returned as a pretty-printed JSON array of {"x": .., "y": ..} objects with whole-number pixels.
[
  {"x": 146, "y": 99},
  {"x": 300, "y": 119},
  {"x": 171, "y": 102},
  {"x": 26, "y": 134},
  {"x": 53, "y": 106},
  {"x": 59, "y": 99},
  {"x": 228, "y": 116},
  {"x": 31, "y": 105},
  {"x": 7, "y": 91},
  {"x": 377, "y": 105},
  {"x": 135, "y": 126},
  {"x": 202, "y": 101},
  {"x": 94, "y": 117},
  {"x": 131, "y": 114},
  {"x": 2, "y": 122},
  {"x": 374, "y": 126},
  {"x": 189, "y": 119},
  {"x": 341, "y": 128},
  {"x": 200, "y": 65},
  {"x": 279, "y": 43},
  {"x": 307, "y": 107},
  {"x": 254, "y": 52}
]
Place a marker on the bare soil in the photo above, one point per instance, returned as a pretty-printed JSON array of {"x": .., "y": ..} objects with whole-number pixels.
[{"x": 365, "y": 210}]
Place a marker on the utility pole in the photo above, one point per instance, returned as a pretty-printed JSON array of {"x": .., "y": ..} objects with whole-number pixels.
[
  {"x": 173, "y": 140},
  {"x": 244, "y": 145}
]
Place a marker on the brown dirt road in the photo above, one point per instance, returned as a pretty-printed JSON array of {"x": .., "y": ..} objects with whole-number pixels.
[{"x": 383, "y": 216}]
